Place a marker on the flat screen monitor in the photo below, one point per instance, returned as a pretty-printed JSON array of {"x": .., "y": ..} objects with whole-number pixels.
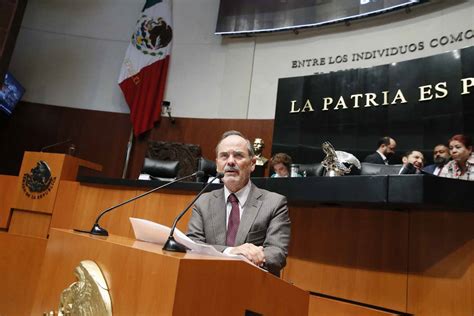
[
  {"x": 254, "y": 16},
  {"x": 10, "y": 94}
]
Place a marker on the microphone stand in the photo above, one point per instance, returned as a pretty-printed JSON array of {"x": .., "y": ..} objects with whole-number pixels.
[
  {"x": 56, "y": 144},
  {"x": 100, "y": 231},
  {"x": 171, "y": 244}
]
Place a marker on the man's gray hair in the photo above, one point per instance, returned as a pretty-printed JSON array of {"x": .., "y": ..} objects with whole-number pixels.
[{"x": 237, "y": 133}]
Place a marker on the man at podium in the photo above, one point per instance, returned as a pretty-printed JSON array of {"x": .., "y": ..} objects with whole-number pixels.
[{"x": 241, "y": 218}]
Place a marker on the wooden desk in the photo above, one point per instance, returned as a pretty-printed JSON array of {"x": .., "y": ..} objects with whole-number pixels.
[
  {"x": 406, "y": 249},
  {"x": 148, "y": 281}
]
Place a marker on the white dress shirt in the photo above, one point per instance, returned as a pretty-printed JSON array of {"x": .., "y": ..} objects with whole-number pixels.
[{"x": 241, "y": 195}]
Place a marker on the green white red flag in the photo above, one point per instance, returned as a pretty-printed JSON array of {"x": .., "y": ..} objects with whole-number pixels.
[{"x": 145, "y": 66}]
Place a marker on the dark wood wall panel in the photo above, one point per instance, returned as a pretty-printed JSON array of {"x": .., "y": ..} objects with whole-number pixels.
[
  {"x": 205, "y": 132},
  {"x": 102, "y": 137},
  {"x": 98, "y": 136}
]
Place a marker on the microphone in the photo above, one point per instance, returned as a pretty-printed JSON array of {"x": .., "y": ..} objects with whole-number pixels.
[
  {"x": 171, "y": 118},
  {"x": 167, "y": 105},
  {"x": 56, "y": 144},
  {"x": 171, "y": 244},
  {"x": 100, "y": 231}
]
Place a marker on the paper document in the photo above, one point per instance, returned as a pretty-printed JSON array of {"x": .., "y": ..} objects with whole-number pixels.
[{"x": 149, "y": 231}]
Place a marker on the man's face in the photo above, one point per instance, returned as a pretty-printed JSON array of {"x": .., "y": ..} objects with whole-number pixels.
[
  {"x": 415, "y": 158},
  {"x": 441, "y": 155},
  {"x": 234, "y": 161},
  {"x": 389, "y": 150}
]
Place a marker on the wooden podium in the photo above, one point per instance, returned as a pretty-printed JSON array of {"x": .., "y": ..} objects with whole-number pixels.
[
  {"x": 25, "y": 220},
  {"x": 37, "y": 188},
  {"x": 144, "y": 280}
]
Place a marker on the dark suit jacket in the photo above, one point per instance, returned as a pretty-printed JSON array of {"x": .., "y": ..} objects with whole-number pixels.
[
  {"x": 374, "y": 158},
  {"x": 264, "y": 222},
  {"x": 430, "y": 168}
]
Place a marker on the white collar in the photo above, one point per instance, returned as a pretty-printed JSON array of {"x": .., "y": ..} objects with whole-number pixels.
[
  {"x": 241, "y": 195},
  {"x": 382, "y": 155}
]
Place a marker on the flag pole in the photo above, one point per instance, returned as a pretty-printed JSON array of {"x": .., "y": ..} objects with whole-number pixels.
[{"x": 127, "y": 156}]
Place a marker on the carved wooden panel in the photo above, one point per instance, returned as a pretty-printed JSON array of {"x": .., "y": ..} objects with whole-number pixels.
[{"x": 186, "y": 154}]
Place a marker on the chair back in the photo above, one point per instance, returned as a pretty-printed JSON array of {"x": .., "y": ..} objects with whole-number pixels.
[
  {"x": 208, "y": 166},
  {"x": 370, "y": 169},
  {"x": 311, "y": 169},
  {"x": 186, "y": 154},
  {"x": 160, "y": 169}
]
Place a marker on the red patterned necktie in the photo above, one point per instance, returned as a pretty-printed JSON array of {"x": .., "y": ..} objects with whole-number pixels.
[{"x": 234, "y": 220}]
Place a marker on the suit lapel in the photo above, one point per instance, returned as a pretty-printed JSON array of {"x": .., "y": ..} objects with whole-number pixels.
[
  {"x": 251, "y": 208},
  {"x": 219, "y": 217}
]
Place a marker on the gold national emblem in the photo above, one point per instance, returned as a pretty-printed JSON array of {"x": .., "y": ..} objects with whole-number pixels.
[{"x": 89, "y": 295}]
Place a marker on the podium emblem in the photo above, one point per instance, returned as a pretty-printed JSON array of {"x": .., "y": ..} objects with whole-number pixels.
[
  {"x": 38, "y": 182},
  {"x": 89, "y": 295}
]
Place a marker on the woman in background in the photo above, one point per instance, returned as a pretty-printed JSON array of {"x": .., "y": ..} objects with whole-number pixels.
[
  {"x": 281, "y": 164},
  {"x": 462, "y": 164}
]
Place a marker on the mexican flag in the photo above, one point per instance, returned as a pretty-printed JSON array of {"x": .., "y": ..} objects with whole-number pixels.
[{"x": 144, "y": 69}]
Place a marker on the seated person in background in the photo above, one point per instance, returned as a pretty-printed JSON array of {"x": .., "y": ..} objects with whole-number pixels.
[
  {"x": 412, "y": 162},
  {"x": 281, "y": 165},
  {"x": 462, "y": 165},
  {"x": 241, "y": 218},
  {"x": 386, "y": 148},
  {"x": 440, "y": 158}
]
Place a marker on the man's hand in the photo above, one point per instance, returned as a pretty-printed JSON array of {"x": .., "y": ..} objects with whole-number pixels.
[{"x": 250, "y": 251}]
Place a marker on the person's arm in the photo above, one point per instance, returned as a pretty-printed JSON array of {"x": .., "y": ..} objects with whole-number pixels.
[
  {"x": 196, "y": 228},
  {"x": 275, "y": 246}
]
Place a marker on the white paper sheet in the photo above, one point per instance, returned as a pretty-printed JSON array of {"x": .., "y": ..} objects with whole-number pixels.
[{"x": 149, "y": 231}]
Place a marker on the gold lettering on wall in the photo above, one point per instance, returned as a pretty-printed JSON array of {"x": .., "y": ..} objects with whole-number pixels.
[
  {"x": 307, "y": 107},
  {"x": 399, "y": 96},
  {"x": 371, "y": 99},
  {"x": 385, "y": 97},
  {"x": 426, "y": 92},
  {"x": 466, "y": 84},
  {"x": 327, "y": 101},
  {"x": 356, "y": 98},
  {"x": 293, "y": 110},
  {"x": 342, "y": 103}
]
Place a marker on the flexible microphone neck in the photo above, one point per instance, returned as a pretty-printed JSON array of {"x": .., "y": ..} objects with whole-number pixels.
[
  {"x": 100, "y": 231},
  {"x": 171, "y": 244},
  {"x": 56, "y": 144}
]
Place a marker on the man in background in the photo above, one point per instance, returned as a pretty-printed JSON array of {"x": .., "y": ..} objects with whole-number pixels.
[
  {"x": 441, "y": 157},
  {"x": 413, "y": 162},
  {"x": 386, "y": 148}
]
